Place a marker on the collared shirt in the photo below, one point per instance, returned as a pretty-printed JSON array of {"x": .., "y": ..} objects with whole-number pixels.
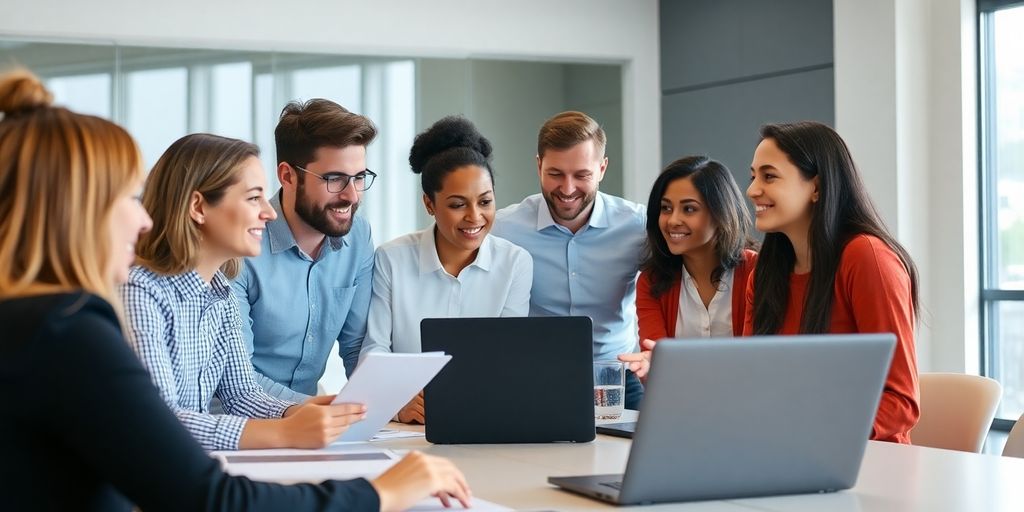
[
  {"x": 410, "y": 284},
  {"x": 188, "y": 335},
  {"x": 590, "y": 273},
  {"x": 695, "y": 320},
  {"x": 294, "y": 307}
]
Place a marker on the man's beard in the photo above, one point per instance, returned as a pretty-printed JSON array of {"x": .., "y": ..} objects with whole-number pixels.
[
  {"x": 318, "y": 218},
  {"x": 554, "y": 206}
]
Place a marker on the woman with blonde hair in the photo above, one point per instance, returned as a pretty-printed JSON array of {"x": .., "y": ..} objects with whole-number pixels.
[
  {"x": 206, "y": 196},
  {"x": 69, "y": 221}
]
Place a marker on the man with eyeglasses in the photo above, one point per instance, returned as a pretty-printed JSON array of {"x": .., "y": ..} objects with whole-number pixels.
[{"x": 310, "y": 285}]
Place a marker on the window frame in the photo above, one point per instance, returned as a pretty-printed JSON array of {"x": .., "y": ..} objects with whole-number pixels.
[{"x": 990, "y": 296}]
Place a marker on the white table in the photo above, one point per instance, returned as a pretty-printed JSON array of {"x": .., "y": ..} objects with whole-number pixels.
[{"x": 892, "y": 478}]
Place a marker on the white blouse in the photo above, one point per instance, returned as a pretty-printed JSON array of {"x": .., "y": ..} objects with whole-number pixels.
[
  {"x": 696, "y": 321},
  {"x": 410, "y": 284}
]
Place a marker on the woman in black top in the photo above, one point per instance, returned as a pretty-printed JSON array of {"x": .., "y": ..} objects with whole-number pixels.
[{"x": 84, "y": 427}]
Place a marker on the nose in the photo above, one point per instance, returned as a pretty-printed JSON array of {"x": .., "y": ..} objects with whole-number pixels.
[
  {"x": 567, "y": 187},
  {"x": 350, "y": 193},
  {"x": 753, "y": 190},
  {"x": 677, "y": 217},
  {"x": 267, "y": 212},
  {"x": 473, "y": 212},
  {"x": 147, "y": 221}
]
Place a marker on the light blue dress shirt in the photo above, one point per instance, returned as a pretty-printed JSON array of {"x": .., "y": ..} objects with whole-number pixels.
[
  {"x": 294, "y": 308},
  {"x": 188, "y": 335},
  {"x": 410, "y": 284},
  {"x": 590, "y": 273}
]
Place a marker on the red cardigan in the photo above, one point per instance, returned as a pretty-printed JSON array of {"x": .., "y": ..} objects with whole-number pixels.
[
  {"x": 657, "y": 316},
  {"x": 872, "y": 294}
]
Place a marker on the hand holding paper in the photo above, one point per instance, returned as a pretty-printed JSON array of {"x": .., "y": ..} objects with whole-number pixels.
[{"x": 385, "y": 382}]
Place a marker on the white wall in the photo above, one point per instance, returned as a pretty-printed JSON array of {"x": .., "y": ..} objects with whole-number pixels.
[
  {"x": 567, "y": 30},
  {"x": 906, "y": 104}
]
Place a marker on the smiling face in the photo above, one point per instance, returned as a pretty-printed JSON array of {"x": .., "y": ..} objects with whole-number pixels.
[
  {"x": 234, "y": 226},
  {"x": 128, "y": 219},
  {"x": 685, "y": 220},
  {"x": 328, "y": 212},
  {"x": 569, "y": 179},
  {"x": 463, "y": 210},
  {"x": 782, "y": 197}
]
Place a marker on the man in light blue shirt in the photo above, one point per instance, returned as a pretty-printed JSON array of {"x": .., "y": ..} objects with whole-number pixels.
[
  {"x": 311, "y": 284},
  {"x": 586, "y": 245}
]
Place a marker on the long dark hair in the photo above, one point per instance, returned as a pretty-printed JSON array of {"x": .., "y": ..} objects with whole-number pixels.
[
  {"x": 728, "y": 214},
  {"x": 843, "y": 210}
]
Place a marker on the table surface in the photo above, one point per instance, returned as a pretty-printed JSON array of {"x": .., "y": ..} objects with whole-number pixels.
[{"x": 892, "y": 478}]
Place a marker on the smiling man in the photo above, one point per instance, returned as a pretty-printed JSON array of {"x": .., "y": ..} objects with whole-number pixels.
[
  {"x": 586, "y": 245},
  {"x": 311, "y": 283}
]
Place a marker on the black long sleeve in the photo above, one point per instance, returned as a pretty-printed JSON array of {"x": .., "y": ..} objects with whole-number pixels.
[{"x": 84, "y": 428}]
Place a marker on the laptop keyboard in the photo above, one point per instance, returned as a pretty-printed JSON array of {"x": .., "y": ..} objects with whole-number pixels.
[{"x": 614, "y": 485}]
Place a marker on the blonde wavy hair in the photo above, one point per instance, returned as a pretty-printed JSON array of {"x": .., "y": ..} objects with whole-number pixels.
[
  {"x": 199, "y": 162},
  {"x": 60, "y": 174}
]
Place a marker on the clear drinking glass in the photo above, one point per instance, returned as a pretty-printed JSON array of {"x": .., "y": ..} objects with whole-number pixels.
[{"x": 609, "y": 389}]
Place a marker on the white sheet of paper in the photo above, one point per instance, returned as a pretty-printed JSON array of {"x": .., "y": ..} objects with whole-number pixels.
[{"x": 385, "y": 382}]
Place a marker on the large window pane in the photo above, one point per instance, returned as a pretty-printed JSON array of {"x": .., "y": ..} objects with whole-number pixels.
[
  {"x": 1008, "y": 362},
  {"x": 156, "y": 109},
  {"x": 1008, "y": 113},
  {"x": 231, "y": 100},
  {"x": 340, "y": 84},
  {"x": 86, "y": 94}
]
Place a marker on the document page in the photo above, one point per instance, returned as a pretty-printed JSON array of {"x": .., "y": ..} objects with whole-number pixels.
[{"x": 385, "y": 383}]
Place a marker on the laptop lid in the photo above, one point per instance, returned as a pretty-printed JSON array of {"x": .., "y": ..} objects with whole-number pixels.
[
  {"x": 742, "y": 417},
  {"x": 510, "y": 380}
]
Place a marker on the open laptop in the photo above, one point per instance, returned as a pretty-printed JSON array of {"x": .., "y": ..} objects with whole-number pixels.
[
  {"x": 510, "y": 380},
  {"x": 743, "y": 417}
]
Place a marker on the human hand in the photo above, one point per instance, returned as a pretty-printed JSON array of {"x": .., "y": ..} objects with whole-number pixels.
[
  {"x": 316, "y": 423},
  {"x": 417, "y": 476},
  {"x": 413, "y": 412}
]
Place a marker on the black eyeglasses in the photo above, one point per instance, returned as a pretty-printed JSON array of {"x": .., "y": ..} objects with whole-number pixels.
[{"x": 337, "y": 181}]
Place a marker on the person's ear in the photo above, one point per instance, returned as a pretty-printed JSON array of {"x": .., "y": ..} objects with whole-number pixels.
[
  {"x": 285, "y": 174},
  {"x": 604, "y": 167},
  {"x": 428, "y": 204},
  {"x": 196, "y": 207},
  {"x": 814, "y": 195}
]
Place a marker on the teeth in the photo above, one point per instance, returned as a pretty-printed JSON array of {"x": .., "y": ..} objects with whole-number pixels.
[
  {"x": 761, "y": 208},
  {"x": 342, "y": 210},
  {"x": 471, "y": 231},
  {"x": 678, "y": 236}
]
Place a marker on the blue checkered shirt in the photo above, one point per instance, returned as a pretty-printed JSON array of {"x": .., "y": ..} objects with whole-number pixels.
[{"x": 189, "y": 336}]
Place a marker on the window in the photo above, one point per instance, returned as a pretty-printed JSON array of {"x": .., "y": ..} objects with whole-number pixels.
[{"x": 1002, "y": 201}]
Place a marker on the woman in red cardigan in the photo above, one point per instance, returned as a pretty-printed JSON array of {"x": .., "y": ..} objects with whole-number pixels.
[
  {"x": 693, "y": 282},
  {"x": 828, "y": 264}
]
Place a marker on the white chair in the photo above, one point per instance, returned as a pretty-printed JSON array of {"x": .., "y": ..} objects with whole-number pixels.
[
  {"x": 1014, "y": 446},
  {"x": 956, "y": 411}
]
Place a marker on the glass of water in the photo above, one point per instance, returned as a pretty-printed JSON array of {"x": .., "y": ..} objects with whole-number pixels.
[{"x": 609, "y": 389}]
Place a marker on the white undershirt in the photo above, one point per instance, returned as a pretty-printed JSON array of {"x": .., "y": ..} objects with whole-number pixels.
[{"x": 696, "y": 321}]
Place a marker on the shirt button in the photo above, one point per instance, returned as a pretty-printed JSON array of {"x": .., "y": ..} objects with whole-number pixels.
[
  {"x": 309, "y": 338},
  {"x": 312, "y": 306}
]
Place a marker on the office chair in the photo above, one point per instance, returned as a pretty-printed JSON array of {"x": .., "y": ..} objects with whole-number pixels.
[{"x": 956, "y": 411}]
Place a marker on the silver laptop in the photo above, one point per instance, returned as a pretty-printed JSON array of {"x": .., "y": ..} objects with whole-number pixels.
[{"x": 742, "y": 417}]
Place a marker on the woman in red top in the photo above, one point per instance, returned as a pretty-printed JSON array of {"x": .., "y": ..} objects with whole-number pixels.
[
  {"x": 828, "y": 264},
  {"x": 694, "y": 278}
]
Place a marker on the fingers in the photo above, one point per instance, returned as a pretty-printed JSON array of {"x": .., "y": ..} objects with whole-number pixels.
[
  {"x": 631, "y": 358},
  {"x": 648, "y": 344},
  {"x": 346, "y": 409}
]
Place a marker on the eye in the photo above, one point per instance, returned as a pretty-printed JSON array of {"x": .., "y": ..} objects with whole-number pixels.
[
  {"x": 456, "y": 205},
  {"x": 690, "y": 209},
  {"x": 486, "y": 202},
  {"x": 666, "y": 208}
]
